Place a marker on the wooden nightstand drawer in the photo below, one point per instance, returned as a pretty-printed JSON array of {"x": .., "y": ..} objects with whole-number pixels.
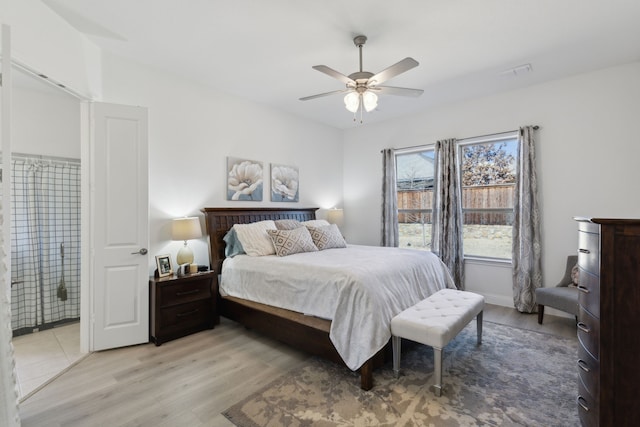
[
  {"x": 180, "y": 306},
  {"x": 184, "y": 292},
  {"x": 185, "y": 315}
]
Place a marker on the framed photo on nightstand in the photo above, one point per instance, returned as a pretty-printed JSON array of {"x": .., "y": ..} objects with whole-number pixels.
[{"x": 163, "y": 263}]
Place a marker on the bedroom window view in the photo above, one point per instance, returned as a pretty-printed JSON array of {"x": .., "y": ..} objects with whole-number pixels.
[
  {"x": 414, "y": 183},
  {"x": 488, "y": 175}
]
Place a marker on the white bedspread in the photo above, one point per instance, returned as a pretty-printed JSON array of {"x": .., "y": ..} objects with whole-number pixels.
[{"x": 360, "y": 288}]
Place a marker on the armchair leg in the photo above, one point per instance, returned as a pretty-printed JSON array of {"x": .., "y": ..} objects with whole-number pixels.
[{"x": 540, "y": 313}]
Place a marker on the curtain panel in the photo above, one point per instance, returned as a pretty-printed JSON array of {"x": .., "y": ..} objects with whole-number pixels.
[
  {"x": 526, "y": 253},
  {"x": 389, "y": 224},
  {"x": 447, "y": 220}
]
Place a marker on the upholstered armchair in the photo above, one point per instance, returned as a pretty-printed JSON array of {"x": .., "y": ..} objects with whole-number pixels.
[{"x": 564, "y": 296}]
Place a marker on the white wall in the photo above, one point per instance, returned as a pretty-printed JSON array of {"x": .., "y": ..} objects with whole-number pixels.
[
  {"x": 42, "y": 41},
  {"x": 587, "y": 149},
  {"x": 192, "y": 130},
  {"x": 45, "y": 121}
]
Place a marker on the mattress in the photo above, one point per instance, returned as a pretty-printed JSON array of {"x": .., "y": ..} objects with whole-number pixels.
[{"x": 359, "y": 288}]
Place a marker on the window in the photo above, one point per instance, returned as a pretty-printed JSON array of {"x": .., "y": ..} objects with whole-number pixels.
[
  {"x": 414, "y": 184},
  {"x": 488, "y": 170},
  {"x": 488, "y": 175}
]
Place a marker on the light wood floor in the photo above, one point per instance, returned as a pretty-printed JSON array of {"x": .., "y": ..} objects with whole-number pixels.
[{"x": 190, "y": 381}]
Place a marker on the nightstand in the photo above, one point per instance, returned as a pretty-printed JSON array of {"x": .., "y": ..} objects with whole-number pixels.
[{"x": 182, "y": 305}]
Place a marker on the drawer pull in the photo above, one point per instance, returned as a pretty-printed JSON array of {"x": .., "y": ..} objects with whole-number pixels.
[
  {"x": 583, "y": 327},
  {"x": 583, "y": 365},
  {"x": 194, "y": 291},
  {"x": 187, "y": 313},
  {"x": 582, "y": 402},
  {"x": 583, "y": 289},
  {"x": 584, "y": 251}
]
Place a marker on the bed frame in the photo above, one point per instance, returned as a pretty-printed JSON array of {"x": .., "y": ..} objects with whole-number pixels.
[{"x": 308, "y": 333}]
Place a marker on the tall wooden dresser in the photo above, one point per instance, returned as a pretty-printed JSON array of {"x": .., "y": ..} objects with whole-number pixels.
[{"x": 609, "y": 322}]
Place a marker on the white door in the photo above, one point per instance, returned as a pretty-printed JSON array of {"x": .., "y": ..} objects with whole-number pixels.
[{"x": 119, "y": 225}]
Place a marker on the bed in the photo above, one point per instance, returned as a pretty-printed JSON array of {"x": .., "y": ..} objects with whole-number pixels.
[{"x": 315, "y": 334}]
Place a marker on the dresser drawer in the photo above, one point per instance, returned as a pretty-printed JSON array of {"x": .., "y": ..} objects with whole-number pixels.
[
  {"x": 589, "y": 252},
  {"x": 589, "y": 292},
  {"x": 589, "y": 332},
  {"x": 587, "y": 406},
  {"x": 179, "y": 293},
  {"x": 589, "y": 372},
  {"x": 185, "y": 315}
]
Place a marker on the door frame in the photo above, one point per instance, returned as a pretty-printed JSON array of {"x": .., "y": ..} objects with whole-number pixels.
[{"x": 86, "y": 291}]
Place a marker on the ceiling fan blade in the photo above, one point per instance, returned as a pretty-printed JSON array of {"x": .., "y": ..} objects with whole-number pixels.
[
  {"x": 320, "y": 95},
  {"x": 399, "y": 67},
  {"x": 400, "y": 91},
  {"x": 333, "y": 73}
]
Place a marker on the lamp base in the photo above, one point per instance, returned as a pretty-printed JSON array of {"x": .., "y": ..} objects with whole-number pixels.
[{"x": 185, "y": 255}]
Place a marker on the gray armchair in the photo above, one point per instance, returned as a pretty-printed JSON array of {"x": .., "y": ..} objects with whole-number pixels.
[{"x": 562, "y": 296}]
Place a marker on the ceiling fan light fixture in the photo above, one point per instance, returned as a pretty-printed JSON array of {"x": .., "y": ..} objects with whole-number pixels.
[
  {"x": 369, "y": 100},
  {"x": 352, "y": 101}
]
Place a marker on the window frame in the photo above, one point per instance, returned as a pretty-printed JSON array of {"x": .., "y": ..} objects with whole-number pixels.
[
  {"x": 487, "y": 139},
  {"x": 414, "y": 150}
]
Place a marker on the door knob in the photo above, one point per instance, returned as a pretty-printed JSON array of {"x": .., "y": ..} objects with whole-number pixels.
[{"x": 142, "y": 251}]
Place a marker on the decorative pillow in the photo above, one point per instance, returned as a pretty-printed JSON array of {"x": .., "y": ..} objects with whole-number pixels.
[
  {"x": 575, "y": 275},
  {"x": 288, "y": 242},
  {"x": 233, "y": 246},
  {"x": 316, "y": 223},
  {"x": 254, "y": 238},
  {"x": 287, "y": 224},
  {"x": 327, "y": 237}
]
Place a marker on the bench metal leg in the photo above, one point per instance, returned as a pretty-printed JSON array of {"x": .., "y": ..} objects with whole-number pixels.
[
  {"x": 396, "y": 343},
  {"x": 479, "y": 328},
  {"x": 437, "y": 370}
]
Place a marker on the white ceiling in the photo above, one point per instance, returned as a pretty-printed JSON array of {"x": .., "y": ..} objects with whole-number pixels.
[{"x": 263, "y": 50}]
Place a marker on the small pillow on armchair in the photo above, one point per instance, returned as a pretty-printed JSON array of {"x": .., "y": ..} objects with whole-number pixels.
[{"x": 575, "y": 276}]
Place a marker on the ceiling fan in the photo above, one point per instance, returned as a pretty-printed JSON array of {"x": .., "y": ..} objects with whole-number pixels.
[{"x": 362, "y": 87}]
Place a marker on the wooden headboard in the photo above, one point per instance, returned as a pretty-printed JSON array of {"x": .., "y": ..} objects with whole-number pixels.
[{"x": 220, "y": 220}]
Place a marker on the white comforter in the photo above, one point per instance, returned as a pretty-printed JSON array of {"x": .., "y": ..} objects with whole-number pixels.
[{"x": 360, "y": 288}]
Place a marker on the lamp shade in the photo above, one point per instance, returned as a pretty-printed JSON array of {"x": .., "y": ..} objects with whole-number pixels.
[
  {"x": 186, "y": 228},
  {"x": 370, "y": 101},
  {"x": 352, "y": 101},
  {"x": 335, "y": 216}
]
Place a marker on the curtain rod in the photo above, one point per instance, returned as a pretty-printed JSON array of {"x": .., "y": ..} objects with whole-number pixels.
[{"x": 535, "y": 127}]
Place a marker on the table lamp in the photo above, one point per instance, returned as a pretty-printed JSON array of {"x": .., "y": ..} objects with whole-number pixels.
[{"x": 185, "y": 229}]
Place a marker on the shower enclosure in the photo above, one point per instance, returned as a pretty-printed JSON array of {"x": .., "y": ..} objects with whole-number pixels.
[{"x": 45, "y": 242}]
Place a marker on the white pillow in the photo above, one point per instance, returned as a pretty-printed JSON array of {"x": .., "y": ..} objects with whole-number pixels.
[
  {"x": 316, "y": 223},
  {"x": 254, "y": 238}
]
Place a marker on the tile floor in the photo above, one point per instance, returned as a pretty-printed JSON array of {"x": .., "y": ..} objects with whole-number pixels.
[{"x": 43, "y": 355}]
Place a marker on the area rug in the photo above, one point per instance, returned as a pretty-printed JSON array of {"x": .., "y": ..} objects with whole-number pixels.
[{"x": 515, "y": 378}]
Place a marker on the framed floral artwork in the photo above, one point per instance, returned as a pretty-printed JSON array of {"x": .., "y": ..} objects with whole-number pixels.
[
  {"x": 285, "y": 181},
  {"x": 244, "y": 179}
]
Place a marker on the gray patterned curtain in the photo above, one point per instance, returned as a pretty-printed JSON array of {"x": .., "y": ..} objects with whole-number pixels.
[
  {"x": 527, "y": 262},
  {"x": 447, "y": 218},
  {"x": 389, "y": 199}
]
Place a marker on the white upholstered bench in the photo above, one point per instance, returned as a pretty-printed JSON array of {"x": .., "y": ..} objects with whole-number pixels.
[{"x": 435, "y": 321}]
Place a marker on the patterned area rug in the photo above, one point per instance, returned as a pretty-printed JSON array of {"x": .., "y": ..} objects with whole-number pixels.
[{"x": 515, "y": 378}]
